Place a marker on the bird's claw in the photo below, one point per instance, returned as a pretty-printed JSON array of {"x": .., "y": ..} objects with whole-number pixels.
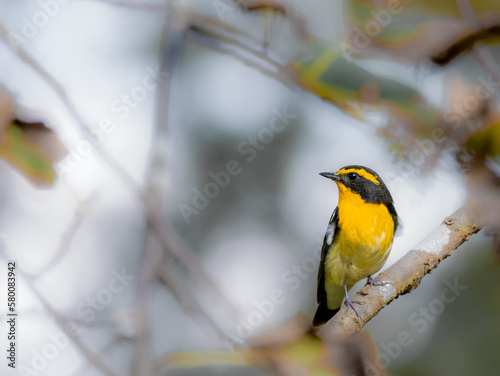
[
  {"x": 373, "y": 282},
  {"x": 350, "y": 303}
]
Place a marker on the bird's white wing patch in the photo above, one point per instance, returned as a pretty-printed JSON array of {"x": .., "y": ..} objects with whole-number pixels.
[
  {"x": 400, "y": 229},
  {"x": 330, "y": 230}
]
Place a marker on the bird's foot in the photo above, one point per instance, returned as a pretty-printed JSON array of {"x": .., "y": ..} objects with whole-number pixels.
[
  {"x": 373, "y": 282},
  {"x": 350, "y": 303}
]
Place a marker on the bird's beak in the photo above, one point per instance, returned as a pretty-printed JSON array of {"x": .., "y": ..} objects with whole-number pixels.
[{"x": 330, "y": 175}]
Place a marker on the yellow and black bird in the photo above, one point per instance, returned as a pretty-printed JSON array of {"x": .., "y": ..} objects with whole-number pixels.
[{"x": 358, "y": 238}]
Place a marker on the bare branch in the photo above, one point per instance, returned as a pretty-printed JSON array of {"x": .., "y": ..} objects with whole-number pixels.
[
  {"x": 405, "y": 275},
  {"x": 152, "y": 6},
  {"x": 219, "y": 36},
  {"x": 63, "y": 323},
  {"x": 171, "y": 243},
  {"x": 246, "y": 54},
  {"x": 152, "y": 253},
  {"x": 151, "y": 262},
  {"x": 103, "y": 351},
  {"x": 189, "y": 303},
  {"x": 480, "y": 50},
  {"x": 66, "y": 238}
]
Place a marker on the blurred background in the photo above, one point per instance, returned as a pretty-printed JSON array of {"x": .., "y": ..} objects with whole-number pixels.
[{"x": 159, "y": 175}]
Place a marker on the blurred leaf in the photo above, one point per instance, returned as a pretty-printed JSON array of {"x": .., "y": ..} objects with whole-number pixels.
[
  {"x": 265, "y": 5},
  {"x": 269, "y": 9},
  {"x": 379, "y": 22},
  {"x": 415, "y": 31},
  {"x": 209, "y": 358},
  {"x": 417, "y": 132},
  {"x": 293, "y": 350},
  {"x": 353, "y": 89},
  {"x": 331, "y": 76},
  {"x": 449, "y": 8},
  {"x": 32, "y": 148},
  {"x": 6, "y": 110},
  {"x": 486, "y": 142}
]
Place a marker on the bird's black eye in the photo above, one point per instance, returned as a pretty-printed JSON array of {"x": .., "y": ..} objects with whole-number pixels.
[{"x": 352, "y": 176}]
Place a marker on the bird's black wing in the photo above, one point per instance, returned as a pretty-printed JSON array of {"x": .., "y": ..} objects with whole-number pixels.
[
  {"x": 394, "y": 215},
  {"x": 323, "y": 313},
  {"x": 327, "y": 242}
]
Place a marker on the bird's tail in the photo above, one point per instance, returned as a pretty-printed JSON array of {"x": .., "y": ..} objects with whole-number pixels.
[
  {"x": 323, "y": 314},
  {"x": 336, "y": 295}
]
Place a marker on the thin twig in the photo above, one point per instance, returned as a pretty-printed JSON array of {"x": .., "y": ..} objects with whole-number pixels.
[
  {"x": 296, "y": 19},
  {"x": 69, "y": 104},
  {"x": 480, "y": 50},
  {"x": 405, "y": 275},
  {"x": 258, "y": 55},
  {"x": 103, "y": 351},
  {"x": 189, "y": 304},
  {"x": 213, "y": 29},
  {"x": 152, "y": 252},
  {"x": 66, "y": 239},
  {"x": 150, "y": 6},
  {"x": 193, "y": 17},
  {"x": 280, "y": 75},
  {"x": 151, "y": 262},
  {"x": 63, "y": 323},
  {"x": 168, "y": 238}
]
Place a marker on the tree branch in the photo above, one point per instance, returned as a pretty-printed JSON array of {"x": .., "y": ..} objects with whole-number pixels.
[
  {"x": 481, "y": 51},
  {"x": 66, "y": 238},
  {"x": 405, "y": 275},
  {"x": 92, "y": 357}
]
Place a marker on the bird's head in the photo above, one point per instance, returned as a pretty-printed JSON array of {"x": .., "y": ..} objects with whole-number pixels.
[{"x": 361, "y": 180}]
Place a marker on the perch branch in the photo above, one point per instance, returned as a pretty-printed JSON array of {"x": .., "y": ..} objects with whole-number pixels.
[{"x": 405, "y": 275}]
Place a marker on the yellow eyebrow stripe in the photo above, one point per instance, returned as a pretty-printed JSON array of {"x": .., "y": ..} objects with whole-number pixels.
[{"x": 360, "y": 172}]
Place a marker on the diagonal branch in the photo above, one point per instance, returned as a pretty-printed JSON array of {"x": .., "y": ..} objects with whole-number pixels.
[
  {"x": 220, "y": 36},
  {"x": 481, "y": 51},
  {"x": 66, "y": 238},
  {"x": 92, "y": 357},
  {"x": 405, "y": 275}
]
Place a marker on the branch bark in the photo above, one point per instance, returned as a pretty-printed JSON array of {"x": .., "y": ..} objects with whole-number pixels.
[{"x": 405, "y": 275}]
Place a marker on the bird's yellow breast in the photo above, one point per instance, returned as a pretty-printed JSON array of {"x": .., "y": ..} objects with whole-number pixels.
[{"x": 364, "y": 239}]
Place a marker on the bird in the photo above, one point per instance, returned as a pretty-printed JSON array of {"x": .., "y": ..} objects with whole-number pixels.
[{"x": 358, "y": 238}]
